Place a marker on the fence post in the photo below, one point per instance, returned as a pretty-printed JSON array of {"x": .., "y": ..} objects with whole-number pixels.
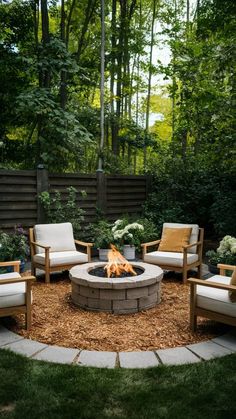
[
  {"x": 101, "y": 192},
  {"x": 42, "y": 185}
]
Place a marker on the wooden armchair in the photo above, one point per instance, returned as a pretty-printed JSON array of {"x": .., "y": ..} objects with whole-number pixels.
[
  {"x": 188, "y": 257},
  {"x": 53, "y": 248},
  {"x": 15, "y": 292},
  {"x": 210, "y": 298}
]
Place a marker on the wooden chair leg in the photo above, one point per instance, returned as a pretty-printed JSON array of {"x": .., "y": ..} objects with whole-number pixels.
[
  {"x": 199, "y": 271},
  {"x": 193, "y": 321},
  {"x": 28, "y": 318},
  {"x": 33, "y": 270},
  {"x": 28, "y": 306},
  {"x": 47, "y": 276},
  {"x": 185, "y": 274}
]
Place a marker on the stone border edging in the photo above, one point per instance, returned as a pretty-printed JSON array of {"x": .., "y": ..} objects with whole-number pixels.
[{"x": 197, "y": 352}]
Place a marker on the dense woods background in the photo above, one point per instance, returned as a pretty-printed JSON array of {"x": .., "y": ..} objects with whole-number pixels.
[{"x": 50, "y": 71}]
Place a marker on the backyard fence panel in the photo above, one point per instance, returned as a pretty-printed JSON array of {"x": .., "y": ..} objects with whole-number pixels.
[
  {"x": 83, "y": 183},
  {"x": 125, "y": 194},
  {"x": 110, "y": 195},
  {"x": 18, "y": 198}
]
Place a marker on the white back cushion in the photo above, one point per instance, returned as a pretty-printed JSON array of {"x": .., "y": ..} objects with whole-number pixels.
[
  {"x": 58, "y": 236},
  {"x": 194, "y": 234}
]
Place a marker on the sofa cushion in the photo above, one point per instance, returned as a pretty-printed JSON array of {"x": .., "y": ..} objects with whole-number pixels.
[
  {"x": 214, "y": 299},
  {"x": 169, "y": 258},
  {"x": 173, "y": 239},
  {"x": 194, "y": 233},
  {"x": 12, "y": 295},
  {"x": 58, "y": 236},
  {"x": 232, "y": 294},
  {"x": 62, "y": 258}
]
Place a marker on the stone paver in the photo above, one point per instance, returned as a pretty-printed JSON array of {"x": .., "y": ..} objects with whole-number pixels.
[
  {"x": 8, "y": 337},
  {"x": 26, "y": 347},
  {"x": 57, "y": 354},
  {"x": 228, "y": 340},
  {"x": 177, "y": 356},
  {"x": 138, "y": 359},
  {"x": 97, "y": 359},
  {"x": 208, "y": 350}
]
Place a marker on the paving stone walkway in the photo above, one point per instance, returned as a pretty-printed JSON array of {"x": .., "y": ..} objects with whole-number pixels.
[{"x": 198, "y": 352}]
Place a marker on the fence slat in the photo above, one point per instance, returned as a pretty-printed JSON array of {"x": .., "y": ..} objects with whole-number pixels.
[{"x": 114, "y": 195}]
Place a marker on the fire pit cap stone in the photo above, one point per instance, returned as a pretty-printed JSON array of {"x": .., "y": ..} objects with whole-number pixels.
[{"x": 80, "y": 275}]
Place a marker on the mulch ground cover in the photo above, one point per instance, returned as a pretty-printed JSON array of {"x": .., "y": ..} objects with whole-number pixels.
[{"x": 57, "y": 321}]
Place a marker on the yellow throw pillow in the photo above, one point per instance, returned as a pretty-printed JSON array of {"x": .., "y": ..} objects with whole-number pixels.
[
  {"x": 173, "y": 239},
  {"x": 232, "y": 294}
]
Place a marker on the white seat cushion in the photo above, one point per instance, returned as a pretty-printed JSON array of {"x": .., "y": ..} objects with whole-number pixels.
[
  {"x": 62, "y": 258},
  {"x": 58, "y": 236},
  {"x": 12, "y": 295},
  {"x": 169, "y": 258},
  {"x": 194, "y": 233},
  {"x": 214, "y": 299}
]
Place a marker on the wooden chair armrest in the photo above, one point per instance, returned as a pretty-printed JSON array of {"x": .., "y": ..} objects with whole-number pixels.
[
  {"x": 10, "y": 263},
  {"x": 187, "y": 246},
  {"x": 150, "y": 243},
  {"x": 223, "y": 267},
  {"x": 205, "y": 283},
  {"x": 17, "y": 280},
  {"x": 85, "y": 244},
  {"x": 40, "y": 245},
  {"x": 146, "y": 245}
]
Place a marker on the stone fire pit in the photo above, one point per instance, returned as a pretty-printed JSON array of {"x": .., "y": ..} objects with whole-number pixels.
[{"x": 116, "y": 295}]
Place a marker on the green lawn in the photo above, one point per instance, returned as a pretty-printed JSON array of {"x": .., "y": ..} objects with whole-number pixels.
[{"x": 33, "y": 389}]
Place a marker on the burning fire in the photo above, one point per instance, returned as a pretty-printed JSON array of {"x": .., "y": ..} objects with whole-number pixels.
[{"x": 117, "y": 264}]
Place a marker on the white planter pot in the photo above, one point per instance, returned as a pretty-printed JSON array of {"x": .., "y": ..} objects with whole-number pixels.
[
  {"x": 103, "y": 254},
  {"x": 129, "y": 252}
]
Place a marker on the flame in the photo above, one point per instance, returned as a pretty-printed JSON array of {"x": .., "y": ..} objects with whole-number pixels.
[{"x": 117, "y": 264}]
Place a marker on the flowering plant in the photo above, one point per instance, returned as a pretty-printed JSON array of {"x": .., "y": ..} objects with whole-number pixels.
[
  {"x": 225, "y": 253},
  {"x": 126, "y": 234},
  {"x": 14, "y": 246}
]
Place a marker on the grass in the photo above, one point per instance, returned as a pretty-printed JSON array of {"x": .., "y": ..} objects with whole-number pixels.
[{"x": 34, "y": 389}]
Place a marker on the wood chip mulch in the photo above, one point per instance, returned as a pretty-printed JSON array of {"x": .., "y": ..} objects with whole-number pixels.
[{"x": 57, "y": 321}]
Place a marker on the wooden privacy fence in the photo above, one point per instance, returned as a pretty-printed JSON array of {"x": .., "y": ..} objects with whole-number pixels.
[{"x": 113, "y": 195}]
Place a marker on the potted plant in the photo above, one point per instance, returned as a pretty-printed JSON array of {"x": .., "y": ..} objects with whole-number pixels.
[
  {"x": 225, "y": 253},
  {"x": 14, "y": 246},
  {"x": 127, "y": 236},
  {"x": 102, "y": 238}
]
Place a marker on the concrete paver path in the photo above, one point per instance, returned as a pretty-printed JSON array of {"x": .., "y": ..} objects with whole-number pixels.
[{"x": 217, "y": 347}]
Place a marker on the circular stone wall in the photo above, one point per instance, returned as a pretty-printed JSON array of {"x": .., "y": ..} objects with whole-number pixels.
[{"x": 116, "y": 295}]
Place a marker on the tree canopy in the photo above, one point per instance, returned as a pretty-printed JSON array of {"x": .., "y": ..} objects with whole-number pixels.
[{"x": 50, "y": 68}]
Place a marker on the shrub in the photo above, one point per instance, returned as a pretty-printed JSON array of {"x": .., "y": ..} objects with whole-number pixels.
[
  {"x": 61, "y": 212},
  {"x": 225, "y": 253},
  {"x": 14, "y": 246},
  {"x": 102, "y": 235}
]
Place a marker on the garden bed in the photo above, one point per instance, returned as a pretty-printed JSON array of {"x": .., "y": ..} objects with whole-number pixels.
[{"x": 57, "y": 321}]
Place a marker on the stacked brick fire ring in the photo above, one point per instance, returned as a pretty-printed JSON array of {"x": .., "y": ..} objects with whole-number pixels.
[{"x": 116, "y": 295}]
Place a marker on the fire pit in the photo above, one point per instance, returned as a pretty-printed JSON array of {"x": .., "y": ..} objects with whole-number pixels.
[{"x": 98, "y": 289}]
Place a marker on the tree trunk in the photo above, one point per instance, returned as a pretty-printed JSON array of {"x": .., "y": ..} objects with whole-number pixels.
[
  {"x": 63, "y": 84},
  {"x": 100, "y": 159},
  {"x": 149, "y": 80}
]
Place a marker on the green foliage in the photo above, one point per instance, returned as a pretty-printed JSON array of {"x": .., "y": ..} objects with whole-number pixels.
[
  {"x": 14, "y": 246},
  {"x": 59, "y": 211},
  {"x": 102, "y": 235},
  {"x": 191, "y": 192},
  {"x": 225, "y": 253}
]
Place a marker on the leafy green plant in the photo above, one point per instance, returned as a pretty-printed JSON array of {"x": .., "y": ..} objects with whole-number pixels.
[
  {"x": 225, "y": 253},
  {"x": 14, "y": 246},
  {"x": 126, "y": 233},
  {"x": 102, "y": 235},
  {"x": 58, "y": 211}
]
